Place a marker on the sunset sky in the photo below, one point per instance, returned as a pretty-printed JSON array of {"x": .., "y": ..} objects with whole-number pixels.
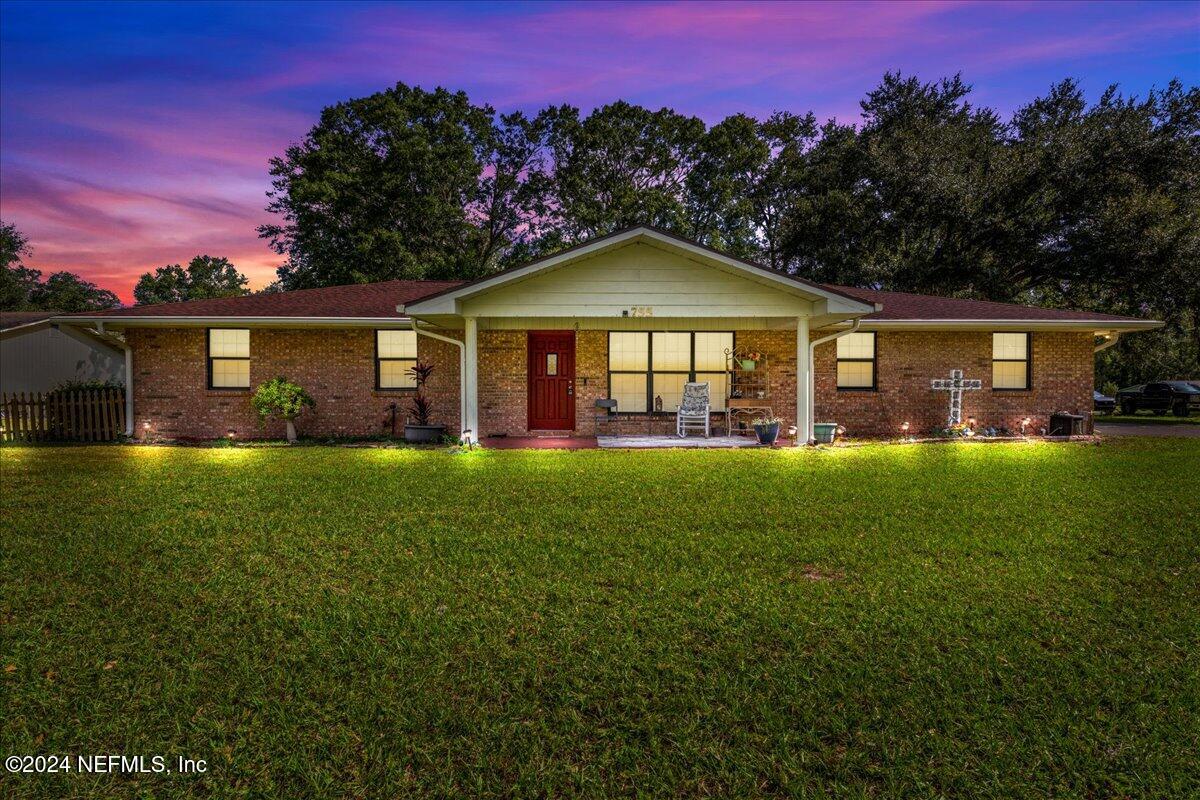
[{"x": 138, "y": 135}]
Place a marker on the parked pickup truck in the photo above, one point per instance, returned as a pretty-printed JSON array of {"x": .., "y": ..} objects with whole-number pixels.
[{"x": 1178, "y": 397}]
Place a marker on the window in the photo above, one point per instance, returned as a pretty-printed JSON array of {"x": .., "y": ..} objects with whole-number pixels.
[
  {"x": 1010, "y": 361},
  {"x": 228, "y": 358},
  {"x": 856, "y": 362},
  {"x": 644, "y": 365},
  {"x": 395, "y": 355}
]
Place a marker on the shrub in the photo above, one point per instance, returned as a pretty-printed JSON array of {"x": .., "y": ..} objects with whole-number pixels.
[
  {"x": 420, "y": 405},
  {"x": 281, "y": 399}
]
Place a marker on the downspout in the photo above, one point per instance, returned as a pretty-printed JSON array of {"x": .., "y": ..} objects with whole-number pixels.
[
  {"x": 812, "y": 374},
  {"x": 462, "y": 372},
  {"x": 1109, "y": 340}
]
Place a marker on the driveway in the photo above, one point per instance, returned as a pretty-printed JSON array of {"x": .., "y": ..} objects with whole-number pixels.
[{"x": 1123, "y": 429}]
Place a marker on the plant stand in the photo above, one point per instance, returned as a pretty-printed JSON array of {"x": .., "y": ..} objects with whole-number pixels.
[{"x": 749, "y": 392}]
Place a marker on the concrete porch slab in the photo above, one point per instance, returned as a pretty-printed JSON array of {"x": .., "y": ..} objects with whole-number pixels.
[{"x": 649, "y": 442}]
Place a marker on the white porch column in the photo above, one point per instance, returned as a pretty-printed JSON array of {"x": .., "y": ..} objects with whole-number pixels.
[
  {"x": 471, "y": 377},
  {"x": 804, "y": 387}
]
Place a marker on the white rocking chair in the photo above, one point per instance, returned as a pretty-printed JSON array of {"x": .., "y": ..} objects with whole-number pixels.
[{"x": 693, "y": 409}]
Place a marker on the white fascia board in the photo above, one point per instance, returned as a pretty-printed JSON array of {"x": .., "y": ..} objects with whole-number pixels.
[
  {"x": 1010, "y": 324},
  {"x": 449, "y": 302},
  {"x": 21, "y": 330},
  {"x": 215, "y": 322}
]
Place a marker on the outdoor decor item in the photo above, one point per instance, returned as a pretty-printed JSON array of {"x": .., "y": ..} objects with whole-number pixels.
[
  {"x": 421, "y": 431},
  {"x": 749, "y": 361},
  {"x": 955, "y": 386},
  {"x": 767, "y": 429}
]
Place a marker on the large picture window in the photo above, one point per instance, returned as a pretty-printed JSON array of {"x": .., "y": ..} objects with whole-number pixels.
[
  {"x": 856, "y": 362},
  {"x": 1010, "y": 361},
  {"x": 395, "y": 355},
  {"x": 644, "y": 365},
  {"x": 228, "y": 358}
]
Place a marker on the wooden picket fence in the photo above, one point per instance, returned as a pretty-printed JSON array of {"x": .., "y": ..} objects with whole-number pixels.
[{"x": 75, "y": 415}]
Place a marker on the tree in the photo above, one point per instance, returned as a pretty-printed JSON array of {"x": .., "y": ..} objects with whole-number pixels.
[
  {"x": 205, "y": 277},
  {"x": 22, "y": 287},
  {"x": 69, "y": 293},
  {"x": 16, "y": 280},
  {"x": 279, "y": 398},
  {"x": 13, "y": 245},
  {"x": 379, "y": 189},
  {"x": 622, "y": 165}
]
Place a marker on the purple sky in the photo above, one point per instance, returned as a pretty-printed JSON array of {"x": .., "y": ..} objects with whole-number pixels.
[{"x": 138, "y": 135}]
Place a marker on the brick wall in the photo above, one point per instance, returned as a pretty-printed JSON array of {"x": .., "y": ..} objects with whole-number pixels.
[
  {"x": 1062, "y": 371},
  {"x": 336, "y": 366}
]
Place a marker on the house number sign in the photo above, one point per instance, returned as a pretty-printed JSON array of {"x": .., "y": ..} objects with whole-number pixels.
[{"x": 640, "y": 311}]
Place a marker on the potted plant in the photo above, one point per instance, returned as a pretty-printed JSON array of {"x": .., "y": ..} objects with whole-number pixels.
[
  {"x": 767, "y": 429},
  {"x": 279, "y": 398},
  {"x": 749, "y": 361},
  {"x": 420, "y": 407}
]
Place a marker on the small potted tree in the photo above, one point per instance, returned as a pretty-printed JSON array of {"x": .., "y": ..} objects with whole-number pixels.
[
  {"x": 279, "y": 398},
  {"x": 421, "y": 407},
  {"x": 767, "y": 429}
]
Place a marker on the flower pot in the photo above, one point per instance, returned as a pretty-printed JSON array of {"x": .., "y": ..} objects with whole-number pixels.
[
  {"x": 748, "y": 365},
  {"x": 424, "y": 434},
  {"x": 767, "y": 434},
  {"x": 824, "y": 432}
]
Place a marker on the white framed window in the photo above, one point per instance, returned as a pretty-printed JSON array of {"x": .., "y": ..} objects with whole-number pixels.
[
  {"x": 395, "y": 355},
  {"x": 1010, "y": 361},
  {"x": 643, "y": 366},
  {"x": 228, "y": 358},
  {"x": 856, "y": 362}
]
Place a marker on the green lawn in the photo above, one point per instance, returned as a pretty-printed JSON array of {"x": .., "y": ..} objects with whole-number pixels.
[{"x": 1017, "y": 620}]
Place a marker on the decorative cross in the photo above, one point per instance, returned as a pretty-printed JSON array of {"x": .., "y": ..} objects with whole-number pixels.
[{"x": 955, "y": 386}]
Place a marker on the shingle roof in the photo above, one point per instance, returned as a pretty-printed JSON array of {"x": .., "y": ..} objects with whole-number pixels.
[
  {"x": 353, "y": 300},
  {"x": 376, "y": 300},
  {"x": 923, "y": 307},
  {"x": 13, "y": 319}
]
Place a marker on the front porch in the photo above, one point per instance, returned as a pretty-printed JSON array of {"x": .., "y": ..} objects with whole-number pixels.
[{"x": 626, "y": 320}]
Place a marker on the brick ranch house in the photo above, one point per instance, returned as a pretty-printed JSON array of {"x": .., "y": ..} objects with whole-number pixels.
[{"x": 629, "y": 316}]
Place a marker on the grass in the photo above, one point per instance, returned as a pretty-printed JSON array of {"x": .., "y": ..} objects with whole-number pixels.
[
  {"x": 999, "y": 621},
  {"x": 1145, "y": 419}
]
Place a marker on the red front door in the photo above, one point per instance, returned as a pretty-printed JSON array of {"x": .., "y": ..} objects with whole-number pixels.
[{"x": 551, "y": 380}]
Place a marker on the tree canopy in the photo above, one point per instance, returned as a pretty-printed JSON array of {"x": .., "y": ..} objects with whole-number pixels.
[
  {"x": 1064, "y": 204},
  {"x": 204, "y": 277},
  {"x": 22, "y": 287}
]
